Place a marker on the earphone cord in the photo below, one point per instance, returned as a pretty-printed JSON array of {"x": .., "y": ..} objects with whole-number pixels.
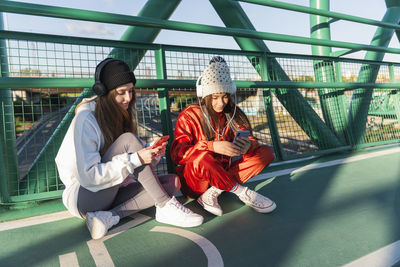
[{"x": 210, "y": 124}]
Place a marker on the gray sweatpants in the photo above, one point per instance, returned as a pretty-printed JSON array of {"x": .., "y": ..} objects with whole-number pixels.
[{"x": 126, "y": 200}]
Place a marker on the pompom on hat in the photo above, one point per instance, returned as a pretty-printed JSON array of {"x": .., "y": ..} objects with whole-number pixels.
[{"x": 215, "y": 79}]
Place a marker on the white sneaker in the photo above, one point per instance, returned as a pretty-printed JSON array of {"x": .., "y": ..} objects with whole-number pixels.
[
  {"x": 256, "y": 201},
  {"x": 99, "y": 222},
  {"x": 175, "y": 213},
  {"x": 209, "y": 201}
]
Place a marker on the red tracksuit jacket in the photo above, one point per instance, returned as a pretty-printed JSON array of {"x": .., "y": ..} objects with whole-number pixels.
[{"x": 199, "y": 167}]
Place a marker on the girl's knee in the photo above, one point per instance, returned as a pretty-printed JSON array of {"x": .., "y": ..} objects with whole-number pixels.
[
  {"x": 131, "y": 142},
  {"x": 130, "y": 137},
  {"x": 266, "y": 153}
]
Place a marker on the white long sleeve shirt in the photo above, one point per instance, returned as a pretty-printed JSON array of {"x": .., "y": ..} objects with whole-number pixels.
[{"x": 79, "y": 162}]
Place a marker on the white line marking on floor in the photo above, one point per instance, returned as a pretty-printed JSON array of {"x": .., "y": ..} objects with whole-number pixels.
[
  {"x": 52, "y": 217},
  {"x": 99, "y": 251},
  {"x": 138, "y": 218},
  {"x": 213, "y": 256},
  {"x": 386, "y": 256},
  {"x": 290, "y": 161},
  {"x": 68, "y": 260},
  {"x": 380, "y": 147},
  {"x": 313, "y": 166}
]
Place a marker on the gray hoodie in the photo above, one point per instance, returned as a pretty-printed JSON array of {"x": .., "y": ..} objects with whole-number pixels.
[{"x": 79, "y": 162}]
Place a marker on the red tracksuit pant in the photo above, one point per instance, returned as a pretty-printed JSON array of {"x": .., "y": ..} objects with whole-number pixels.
[{"x": 204, "y": 169}]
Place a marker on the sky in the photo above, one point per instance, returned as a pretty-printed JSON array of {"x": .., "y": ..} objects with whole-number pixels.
[{"x": 264, "y": 19}]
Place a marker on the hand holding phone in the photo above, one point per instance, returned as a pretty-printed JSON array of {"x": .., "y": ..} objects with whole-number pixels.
[
  {"x": 148, "y": 154},
  {"x": 241, "y": 134},
  {"x": 160, "y": 141},
  {"x": 243, "y": 144}
]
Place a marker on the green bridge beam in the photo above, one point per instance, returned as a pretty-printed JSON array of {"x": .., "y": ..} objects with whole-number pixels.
[
  {"x": 79, "y": 14},
  {"x": 233, "y": 16},
  {"x": 322, "y": 12},
  {"x": 9, "y": 165},
  {"x": 361, "y": 99},
  {"x": 155, "y": 9},
  {"x": 332, "y": 105},
  {"x": 21, "y": 82}
]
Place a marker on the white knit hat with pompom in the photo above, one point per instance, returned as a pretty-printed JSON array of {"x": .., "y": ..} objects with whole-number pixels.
[{"x": 215, "y": 79}]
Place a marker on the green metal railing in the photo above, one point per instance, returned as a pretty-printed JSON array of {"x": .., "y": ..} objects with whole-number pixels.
[
  {"x": 301, "y": 105},
  {"x": 39, "y": 110}
]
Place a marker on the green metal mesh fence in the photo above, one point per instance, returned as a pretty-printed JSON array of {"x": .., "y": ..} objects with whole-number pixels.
[
  {"x": 57, "y": 60},
  {"x": 40, "y": 112}
]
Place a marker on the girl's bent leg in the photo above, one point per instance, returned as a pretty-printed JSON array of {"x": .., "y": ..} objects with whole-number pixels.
[
  {"x": 102, "y": 200},
  {"x": 89, "y": 201},
  {"x": 125, "y": 143},
  {"x": 251, "y": 164},
  {"x": 129, "y": 143},
  {"x": 134, "y": 198},
  {"x": 152, "y": 185},
  {"x": 204, "y": 171}
]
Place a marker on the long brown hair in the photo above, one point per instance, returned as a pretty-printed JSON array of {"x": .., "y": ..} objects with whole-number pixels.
[
  {"x": 239, "y": 119},
  {"x": 113, "y": 120}
]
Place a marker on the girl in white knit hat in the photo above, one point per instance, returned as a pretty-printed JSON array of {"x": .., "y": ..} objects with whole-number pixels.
[{"x": 203, "y": 147}]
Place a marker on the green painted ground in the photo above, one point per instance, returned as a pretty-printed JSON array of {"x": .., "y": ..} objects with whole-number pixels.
[{"x": 325, "y": 217}]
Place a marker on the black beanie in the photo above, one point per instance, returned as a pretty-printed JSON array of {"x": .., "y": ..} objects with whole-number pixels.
[{"x": 116, "y": 73}]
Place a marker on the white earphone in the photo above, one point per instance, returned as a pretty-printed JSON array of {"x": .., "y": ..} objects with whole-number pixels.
[{"x": 210, "y": 124}]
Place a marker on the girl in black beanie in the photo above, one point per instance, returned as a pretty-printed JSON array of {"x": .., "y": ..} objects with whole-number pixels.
[{"x": 106, "y": 169}]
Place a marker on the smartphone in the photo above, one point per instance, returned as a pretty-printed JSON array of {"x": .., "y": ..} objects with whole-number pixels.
[
  {"x": 241, "y": 134},
  {"x": 160, "y": 141},
  {"x": 238, "y": 134}
]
